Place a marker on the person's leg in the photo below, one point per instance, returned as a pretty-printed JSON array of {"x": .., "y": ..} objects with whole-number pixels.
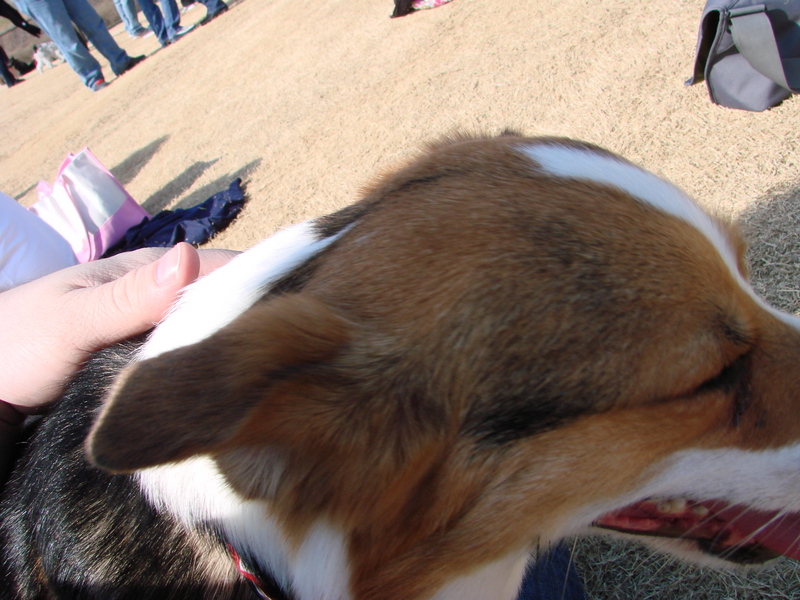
[
  {"x": 172, "y": 16},
  {"x": 132, "y": 25},
  {"x": 53, "y": 18},
  {"x": 5, "y": 72},
  {"x": 133, "y": 10},
  {"x": 153, "y": 16},
  {"x": 91, "y": 24},
  {"x": 214, "y": 7}
]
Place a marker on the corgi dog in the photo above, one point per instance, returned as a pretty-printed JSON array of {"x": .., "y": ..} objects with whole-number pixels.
[{"x": 506, "y": 341}]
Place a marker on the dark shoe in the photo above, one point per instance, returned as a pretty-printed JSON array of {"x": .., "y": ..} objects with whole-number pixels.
[
  {"x": 135, "y": 60},
  {"x": 211, "y": 16}
]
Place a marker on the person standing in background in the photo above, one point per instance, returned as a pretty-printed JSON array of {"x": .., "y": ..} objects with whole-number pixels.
[
  {"x": 214, "y": 9},
  {"x": 10, "y": 13},
  {"x": 5, "y": 72},
  {"x": 56, "y": 18},
  {"x": 128, "y": 10},
  {"x": 165, "y": 22}
]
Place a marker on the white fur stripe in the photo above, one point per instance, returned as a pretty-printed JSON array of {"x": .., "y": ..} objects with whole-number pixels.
[
  {"x": 578, "y": 163},
  {"x": 214, "y": 301},
  {"x": 321, "y": 567},
  {"x": 195, "y": 492},
  {"x": 763, "y": 479}
]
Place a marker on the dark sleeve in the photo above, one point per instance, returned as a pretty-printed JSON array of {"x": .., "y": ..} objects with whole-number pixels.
[{"x": 10, "y": 13}]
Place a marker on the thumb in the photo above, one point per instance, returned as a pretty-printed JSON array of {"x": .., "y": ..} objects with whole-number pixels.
[{"x": 141, "y": 298}]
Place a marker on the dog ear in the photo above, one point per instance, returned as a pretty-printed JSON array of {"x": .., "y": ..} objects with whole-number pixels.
[{"x": 194, "y": 399}]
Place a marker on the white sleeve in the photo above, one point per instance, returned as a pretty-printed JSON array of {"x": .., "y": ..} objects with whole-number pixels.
[{"x": 29, "y": 247}]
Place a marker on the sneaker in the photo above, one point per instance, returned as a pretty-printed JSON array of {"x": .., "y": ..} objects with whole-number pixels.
[
  {"x": 99, "y": 85},
  {"x": 180, "y": 32},
  {"x": 135, "y": 60},
  {"x": 211, "y": 16}
]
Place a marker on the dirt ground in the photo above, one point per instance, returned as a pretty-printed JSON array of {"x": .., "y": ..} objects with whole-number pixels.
[{"x": 306, "y": 101}]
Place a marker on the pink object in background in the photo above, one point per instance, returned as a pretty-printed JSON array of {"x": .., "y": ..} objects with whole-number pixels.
[
  {"x": 423, "y": 4},
  {"x": 87, "y": 206}
]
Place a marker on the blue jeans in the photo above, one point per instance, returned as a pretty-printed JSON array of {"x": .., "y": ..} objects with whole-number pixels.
[
  {"x": 127, "y": 10},
  {"x": 56, "y": 17},
  {"x": 552, "y": 577},
  {"x": 164, "y": 22},
  {"x": 213, "y": 6},
  {"x": 8, "y": 76}
]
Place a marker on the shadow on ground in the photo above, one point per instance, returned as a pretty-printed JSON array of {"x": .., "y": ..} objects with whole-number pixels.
[
  {"x": 219, "y": 184},
  {"x": 183, "y": 182},
  {"x": 130, "y": 167},
  {"x": 24, "y": 192},
  {"x": 772, "y": 228}
]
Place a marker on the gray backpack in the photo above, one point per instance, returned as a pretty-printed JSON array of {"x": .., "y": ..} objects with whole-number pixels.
[{"x": 749, "y": 53}]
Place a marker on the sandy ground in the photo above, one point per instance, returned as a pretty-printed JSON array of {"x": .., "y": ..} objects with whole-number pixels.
[{"x": 308, "y": 100}]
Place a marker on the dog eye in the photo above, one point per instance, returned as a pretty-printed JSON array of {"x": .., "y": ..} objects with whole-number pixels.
[
  {"x": 727, "y": 380},
  {"x": 733, "y": 381}
]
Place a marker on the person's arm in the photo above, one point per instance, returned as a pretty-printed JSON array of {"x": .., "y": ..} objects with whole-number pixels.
[
  {"x": 11, "y": 13},
  {"x": 52, "y": 325}
]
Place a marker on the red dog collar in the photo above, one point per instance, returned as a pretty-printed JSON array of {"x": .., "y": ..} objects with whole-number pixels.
[{"x": 265, "y": 590}]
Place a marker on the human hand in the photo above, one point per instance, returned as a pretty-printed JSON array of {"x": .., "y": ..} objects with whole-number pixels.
[{"x": 52, "y": 325}]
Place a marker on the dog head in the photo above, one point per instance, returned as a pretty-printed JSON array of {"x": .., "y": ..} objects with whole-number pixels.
[{"x": 506, "y": 341}]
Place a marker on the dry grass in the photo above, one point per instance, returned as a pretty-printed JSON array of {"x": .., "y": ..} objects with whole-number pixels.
[
  {"x": 772, "y": 226},
  {"x": 616, "y": 570}
]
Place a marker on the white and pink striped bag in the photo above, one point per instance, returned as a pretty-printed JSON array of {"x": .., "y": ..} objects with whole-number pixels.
[{"x": 87, "y": 206}]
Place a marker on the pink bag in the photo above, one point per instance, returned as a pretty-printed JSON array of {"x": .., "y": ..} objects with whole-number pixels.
[{"x": 87, "y": 206}]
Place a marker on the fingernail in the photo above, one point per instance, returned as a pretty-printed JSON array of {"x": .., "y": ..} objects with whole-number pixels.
[{"x": 167, "y": 269}]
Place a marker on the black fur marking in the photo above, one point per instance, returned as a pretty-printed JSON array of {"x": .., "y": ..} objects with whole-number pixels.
[
  {"x": 332, "y": 224},
  {"x": 324, "y": 227},
  {"x": 501, "y": 425},
  {"x": 733, "y": 380},
  {"x": 512, "y": 416},
  {"x": 730, "y": 379},
  {"x": 294, "y": 281},
  {"x": 69, "y": 530}
]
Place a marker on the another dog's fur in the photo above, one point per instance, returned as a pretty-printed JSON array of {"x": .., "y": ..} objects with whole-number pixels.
[
  {"x": 45, "y": 55},
  {"x": 504, "y": 342}
]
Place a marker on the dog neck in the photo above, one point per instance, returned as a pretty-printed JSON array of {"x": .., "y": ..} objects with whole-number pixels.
[
  {"x": 264, "y": 585},
  {"x": 196, "y": 494}
]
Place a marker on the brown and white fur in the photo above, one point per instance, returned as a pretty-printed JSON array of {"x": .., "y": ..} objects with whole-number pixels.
[{"x": 502, "y": 343}]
